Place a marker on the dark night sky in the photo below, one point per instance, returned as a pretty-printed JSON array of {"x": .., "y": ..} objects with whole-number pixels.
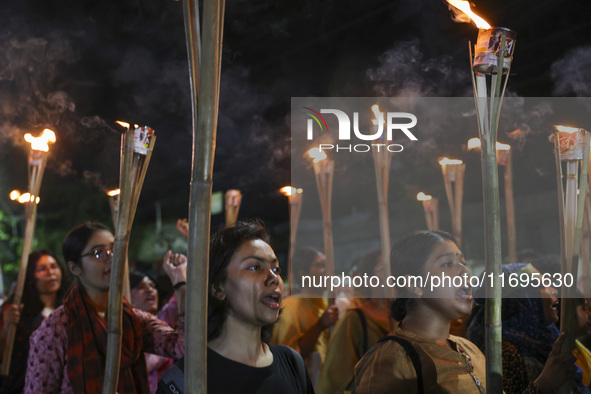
[{"x": 77, "y": 66}]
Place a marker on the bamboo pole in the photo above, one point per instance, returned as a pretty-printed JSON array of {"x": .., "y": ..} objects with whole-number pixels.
[
  {"x": 324, "y": 171},
  {"x": 296, "y": 196},
  {"x": 205, "y": 99},
  {"x": 488, "y": 108},
  {"x": 134, "y": 166},
  {"x": 453, "y": 172},
  {"x": 573, "y": 208},
  {"x": 509, "y": 205},
  {"x": 382, "y": 159},
  {"x": 36, "y": 168}
]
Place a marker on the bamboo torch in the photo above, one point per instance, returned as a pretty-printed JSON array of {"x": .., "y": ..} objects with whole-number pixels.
[
  {"x": 504, "y": 159},
  {"x": 324, "y": 171},
  {"x": 493, "y": 55},
  {"x": 137, "y": 145},
  {"x": 233, "y": 200},
  {"x": 382, "y": 159},
  {"x": 571, "y": 145},
  {"x": 114, "y": 204},
  {"x": 295, "y": 195},
  {"x": 205, "y": 82},
  {"x": 453, "y": 172},
  {"x": 431, "y": 208},
  {"x": 37, "y": 162}
]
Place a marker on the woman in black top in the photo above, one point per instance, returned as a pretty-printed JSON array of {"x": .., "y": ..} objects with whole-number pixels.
[{"x": 245, "y": 293}]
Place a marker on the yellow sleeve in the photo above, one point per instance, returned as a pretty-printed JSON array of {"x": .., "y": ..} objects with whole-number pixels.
[
  {"x": 287, "y": 331},
  {"x": 344, "y": 348}
]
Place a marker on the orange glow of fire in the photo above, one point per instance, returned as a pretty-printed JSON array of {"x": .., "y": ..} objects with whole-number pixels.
[
  {"x": 474, "y": 143},
  {"x": 317, "y": 154},
  {"x": 566, "y": 129},
  {"x": 15, "y": 195},
  {"x": 376, "y": 110},
  {"x": 423, "y": 197},
  {"x": 290, "y": 191},
  {"x": 41, "y": 143},
  {"x": 125, "y": 124},
  {"x": 113, "y": 193},
  {"x": 464, "y": 8},
  {"x": 445, "y": 161}
]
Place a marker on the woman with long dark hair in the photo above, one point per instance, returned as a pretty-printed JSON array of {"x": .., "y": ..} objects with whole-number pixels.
[
  {"x": 67, "y": 353},
  {"x": 44, "y": 289},
  {"x": 420, "y": 355}
]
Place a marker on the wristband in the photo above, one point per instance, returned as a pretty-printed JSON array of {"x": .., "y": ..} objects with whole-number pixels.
[{"x": 179, "y": 284}]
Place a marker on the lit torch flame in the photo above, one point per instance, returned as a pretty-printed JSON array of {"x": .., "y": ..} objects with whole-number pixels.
[
  {"x": 290, "y": 191},
  {"x": 125, "y": 124},
  {"x": 474, "y": 143},
  {"x": 41, "y": 143},
  {"x": 465, "y": 13},
  {"x": 15, "y": 195},
  {"x": 317, "y": 154},
  {"x": 445, "y": 161},
  {"x": 566, "y": 129},
  {"x": 376, "y": 110},
  {"x": 423, "y": 197},
  {"x": 113, "y": 193}
]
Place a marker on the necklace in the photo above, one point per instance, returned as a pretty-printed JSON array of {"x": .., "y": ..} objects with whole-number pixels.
[{"x": 470, "y": 368}]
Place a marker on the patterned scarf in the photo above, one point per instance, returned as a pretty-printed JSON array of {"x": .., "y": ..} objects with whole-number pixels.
[{"x": 87, "y": 347}]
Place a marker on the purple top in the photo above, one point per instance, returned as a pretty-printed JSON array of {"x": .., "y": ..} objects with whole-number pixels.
[{"x": 47, "y": 367}]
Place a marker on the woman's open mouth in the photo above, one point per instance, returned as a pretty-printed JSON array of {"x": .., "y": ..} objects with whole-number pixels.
[
  {"x": 465, "y": 293},
  {"x": 273, "y": 301}
]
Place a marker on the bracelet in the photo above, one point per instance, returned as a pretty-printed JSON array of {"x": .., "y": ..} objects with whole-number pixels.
[{"x": 179, "y": 284}]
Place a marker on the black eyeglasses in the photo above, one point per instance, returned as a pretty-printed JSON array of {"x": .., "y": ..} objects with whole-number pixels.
[{"x": 100, "y": 253}]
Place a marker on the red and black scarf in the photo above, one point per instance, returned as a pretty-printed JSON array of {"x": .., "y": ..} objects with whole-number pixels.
[{"x": 87, "y": 347}]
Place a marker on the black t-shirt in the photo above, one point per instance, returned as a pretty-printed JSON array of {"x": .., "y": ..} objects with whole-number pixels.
[
  {"x": 286, "y": 375},
  {"x": 226, "y": 376}
]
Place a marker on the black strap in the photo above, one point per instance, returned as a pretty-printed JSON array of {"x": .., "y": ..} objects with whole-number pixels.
[
  {"x": 414, "y": 358},
  {"x": 364, "y": 325}
]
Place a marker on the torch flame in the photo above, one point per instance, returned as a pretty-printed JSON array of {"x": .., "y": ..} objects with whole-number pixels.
[
  {"x": 566, "y": 129},
  {"x": 474, "y": 143},
  {"x": 463, "y": 8},
  {"x": 113, "y": 193},
  {"x": 124, "y": 124},
  {"x": 445, "y": 161},
  {"x": 290, "y": 191},
  {"x": 379, "y": 115},
  {"x": 41, "y": 143},
  {"x": 423, "y": 197},
  {"x": 15, "y": 195},
  {"x": 317, "y": 154}
]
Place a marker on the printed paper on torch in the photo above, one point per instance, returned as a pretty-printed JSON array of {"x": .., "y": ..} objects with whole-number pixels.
[{"x": 570, "y": 143}]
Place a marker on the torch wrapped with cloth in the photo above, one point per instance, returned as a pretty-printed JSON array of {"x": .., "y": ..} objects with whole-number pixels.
[
  {"x": 37, "y": 163},
  {"x": 137, "y": 145},
  {"x": 571, "y": 145},
  {"x": 431, "y": 208}
]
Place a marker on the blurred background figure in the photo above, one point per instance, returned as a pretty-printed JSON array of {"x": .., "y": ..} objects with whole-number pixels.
[
  {"x": 44, "y": 290},
  {"x": 356, "y": 331},
  {"x": 305, "y": 317}
]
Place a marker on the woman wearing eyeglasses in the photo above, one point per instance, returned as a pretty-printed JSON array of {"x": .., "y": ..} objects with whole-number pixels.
[
  {"x": 67, "y": 353},
  {"x": 43, "y": 292}
]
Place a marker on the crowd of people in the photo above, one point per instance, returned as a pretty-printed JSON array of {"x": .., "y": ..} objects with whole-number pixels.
[{"x": 262, "y": 341}]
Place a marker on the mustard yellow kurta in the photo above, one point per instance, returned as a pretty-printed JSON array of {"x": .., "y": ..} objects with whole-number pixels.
[
  {"x": 387, "y": 368},
  {"x": 297, "y": 316},
  {"x": 345, "y": 348}
]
